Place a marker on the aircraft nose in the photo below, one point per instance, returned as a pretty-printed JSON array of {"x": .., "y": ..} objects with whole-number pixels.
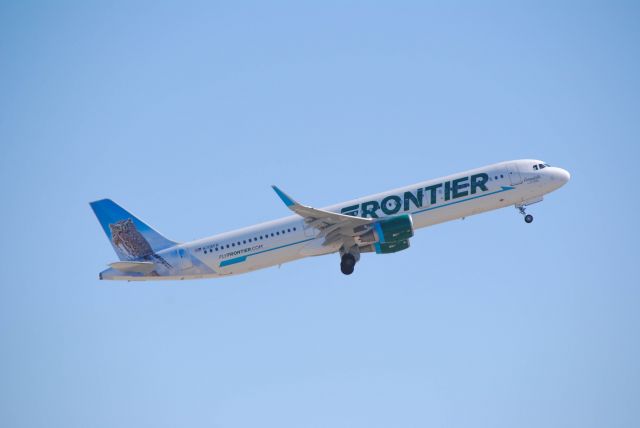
[
  {"x": 561, "y": 176},
  {"x": 564, "y": 175}
]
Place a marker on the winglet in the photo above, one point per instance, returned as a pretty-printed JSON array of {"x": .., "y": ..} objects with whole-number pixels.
[{"x": 285, "y": 198}]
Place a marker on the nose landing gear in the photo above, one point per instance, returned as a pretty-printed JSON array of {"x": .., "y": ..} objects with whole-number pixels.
[{"x": 528, "y": 218}]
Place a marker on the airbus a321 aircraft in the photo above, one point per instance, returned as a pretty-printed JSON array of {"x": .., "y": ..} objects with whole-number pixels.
[{"x": 381, "y": 224}]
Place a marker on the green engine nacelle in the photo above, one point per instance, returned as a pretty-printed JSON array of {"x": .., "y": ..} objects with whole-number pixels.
[
  {"x": 398, "y": 228},
  {"x": 388, "y": 235},
  {"x": 391, "y": 247}
]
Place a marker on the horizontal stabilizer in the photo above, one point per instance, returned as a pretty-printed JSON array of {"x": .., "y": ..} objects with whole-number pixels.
[{"x": 138, "y": 267}]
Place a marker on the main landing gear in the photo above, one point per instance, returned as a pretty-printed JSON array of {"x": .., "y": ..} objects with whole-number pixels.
[
  {"x": 347, "y": 263},
  {"x": 348, "y": 259},
  {"x": 528, "y": 218}
]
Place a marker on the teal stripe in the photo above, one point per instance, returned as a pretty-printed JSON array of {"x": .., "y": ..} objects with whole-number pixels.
[
  {"x": 504, "y": 189},
  {"x": 244, "y": 258},
  {"x": 233, "y": 261},
  {"x": 378, "y": 228}
]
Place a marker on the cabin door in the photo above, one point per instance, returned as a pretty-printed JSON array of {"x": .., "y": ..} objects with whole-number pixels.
[{"x": 514, "y": 174}]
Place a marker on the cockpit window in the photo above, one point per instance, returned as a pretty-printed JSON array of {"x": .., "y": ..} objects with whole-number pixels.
[
  {"x": 541, "y": 166},
  {"x": 535, "y": 167}
]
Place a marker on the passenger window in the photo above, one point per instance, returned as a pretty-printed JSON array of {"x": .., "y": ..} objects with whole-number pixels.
[
  {"x": 244, "y": 242},
  {"x": 233, "y": 245}
]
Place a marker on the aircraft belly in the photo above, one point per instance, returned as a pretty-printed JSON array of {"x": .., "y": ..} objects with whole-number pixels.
[{"x": 316, "y": 248}]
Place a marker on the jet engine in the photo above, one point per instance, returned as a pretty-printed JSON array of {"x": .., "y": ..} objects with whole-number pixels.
[{"x": 388, "y": 235}]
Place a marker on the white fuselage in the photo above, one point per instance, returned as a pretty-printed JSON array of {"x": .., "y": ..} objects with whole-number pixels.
[{"x": 429, "y": 202}]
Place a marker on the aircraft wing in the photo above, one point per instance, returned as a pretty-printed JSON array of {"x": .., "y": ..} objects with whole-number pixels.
[{"x": 333, "y": 226}]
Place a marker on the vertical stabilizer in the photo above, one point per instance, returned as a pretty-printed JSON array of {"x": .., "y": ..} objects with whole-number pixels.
[{"x": 131, "y": 238}]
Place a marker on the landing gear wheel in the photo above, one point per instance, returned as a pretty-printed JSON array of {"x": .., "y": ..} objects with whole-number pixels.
[
  {"x": 347, "y": 264},
  {"x": 346, "y": 269},
  {"x": 528, "y": 218}
]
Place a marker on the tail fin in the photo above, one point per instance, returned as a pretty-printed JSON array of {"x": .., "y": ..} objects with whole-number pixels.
[{"x": 131, "y": 238}]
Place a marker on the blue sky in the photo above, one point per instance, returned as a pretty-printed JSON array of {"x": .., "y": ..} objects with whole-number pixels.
[{"x": 186, "y": 113}]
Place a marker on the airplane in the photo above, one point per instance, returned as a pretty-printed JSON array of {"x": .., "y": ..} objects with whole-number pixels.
[{"x": 382, "y": 223}]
